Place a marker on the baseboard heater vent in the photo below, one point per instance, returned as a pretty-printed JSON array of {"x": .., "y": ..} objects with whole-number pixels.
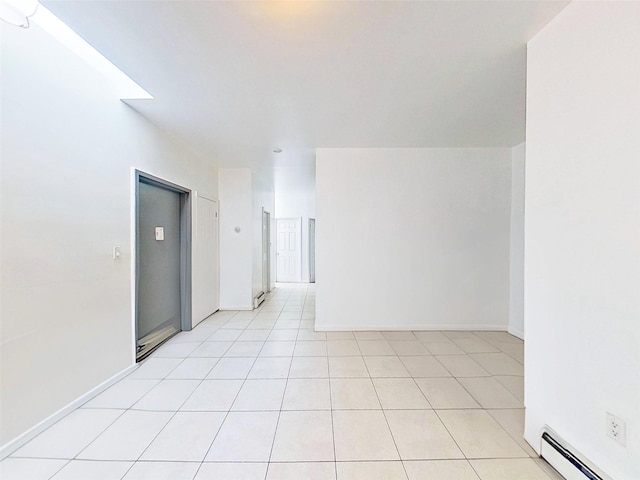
[
  {"x": 259, "y": 299},
  {"x": 569, "y": 464}
]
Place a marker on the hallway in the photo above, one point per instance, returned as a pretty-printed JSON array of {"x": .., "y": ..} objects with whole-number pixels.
[{"x": 257, "y": 395}]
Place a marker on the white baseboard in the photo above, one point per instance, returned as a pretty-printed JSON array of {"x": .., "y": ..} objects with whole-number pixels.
[
  {"x": 10, "y": 447},
  {"x": 517, "y": 333},
  {"x": 416, "y": 327}
]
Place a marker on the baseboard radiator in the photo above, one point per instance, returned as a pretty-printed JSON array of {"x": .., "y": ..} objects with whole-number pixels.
[
  {"x": 567, "y": 462},
  {"x": 259, "y": 299}
]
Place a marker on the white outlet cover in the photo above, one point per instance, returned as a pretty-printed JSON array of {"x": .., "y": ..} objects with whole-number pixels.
[
  {"x": 160, "y": 233},
  {"x": 616, "y": 429}
]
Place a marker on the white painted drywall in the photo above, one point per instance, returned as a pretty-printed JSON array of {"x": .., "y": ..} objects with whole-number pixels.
[
  {"x": 205, "y": 264},
  {"x": 262, "y": 197},
  {"x": 516, "y": 264},
  {"x": 295, "y": 189},
  {"x": 68, "y": 148},
  {"x": 582, "y": 231},
  {"x": 412, "y": 238},
  {"x": 236, "y": 238}
]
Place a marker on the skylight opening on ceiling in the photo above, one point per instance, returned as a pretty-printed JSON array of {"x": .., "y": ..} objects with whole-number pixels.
[{"x": 125, "y": 87}]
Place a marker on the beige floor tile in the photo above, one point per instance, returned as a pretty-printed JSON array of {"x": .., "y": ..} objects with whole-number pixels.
[
  {"x": 362, "y": 435},
  {"x": 259, "y": 395},
  {"x": 193, "y": 368},
  {"x": 254, "y": 335},
  {"x": 490, "y": 393},
  {"x": 474, "y": 345},
  {"x": 446, "y": 393},
  {"x": 231, "y": 471},
  {"x": 479, "y": 435},
  {"x": 309, "y": 367},
  {"x": 270, "y": 367},
  {"x": 424, "y": 366},
  {"x": 288, "y": 335},
  {"x": 347, "y": 367},
  {"x": 282, "y": 324},
  {"x": 310, "y": 349},
  {"x": 244, "y": 349},
  {"x": 162, "y": 471},
  {"x": 440, "y": 470},
  {"x": 342, "y": 348},
  {"x": 462, "y": 366},
  {"x": 231, "y": 369},
  {"x": 302, "y": 471},
  {"x": 420, "y": 435},
  {"x": 408, "y": 347},
  {"x": 371, "y": 471},
  {"x": 340, "y": 336},
  {"x": 244, "y": 437},
  {"x": 303, "y": 437},
  {"x": 385, "y": 366},
  {"x": 370, "y": 335},
  {"x": 443, "y": 348},
  {"x": 494, "y": 337},
  {"x": 508, "y": 469},
  {"x": 277, "y": 349},
  {"x": 311, "y": 335},
  {"x": 512, "y": 420},
  {"x": 400, "y": 393},
  {"x": 514, "y": 384},
  {"x": 548, "y": 469},
  {"x": 353, "y": 394},
  {"x": 499, "y": 364},
  {"x": 186, "y": 438},
  {"x": 451, "y": 334},
  {"x": 375, "y": 347},
  {"x": 213, "y": 396},
  {"x": 514, "y": 350},
  {"x": 307, "y": 394},
  {"x": 211, "y": 349},
  {"x": 399, "y": 335},
  {"x": 430, "y": 337},
  {"x": 168, "y": 395}
]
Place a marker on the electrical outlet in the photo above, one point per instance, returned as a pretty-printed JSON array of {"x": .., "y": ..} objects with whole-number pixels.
[{"x": 616, "y": 429}]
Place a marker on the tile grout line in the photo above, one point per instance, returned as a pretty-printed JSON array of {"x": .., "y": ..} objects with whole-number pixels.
[{"x": 395, "y": 444}]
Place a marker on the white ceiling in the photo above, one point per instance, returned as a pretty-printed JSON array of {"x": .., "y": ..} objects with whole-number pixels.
[{"x": 236, "y": 79}]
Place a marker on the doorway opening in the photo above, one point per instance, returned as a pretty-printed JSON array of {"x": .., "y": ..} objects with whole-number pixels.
[
  {"x": 312, "y": 250},
  {"x": 163, "y": 262},
  {"x": 266, "y": 251}
]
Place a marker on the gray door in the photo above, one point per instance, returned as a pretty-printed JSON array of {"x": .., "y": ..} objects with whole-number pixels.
[{"x": 159, "y": 274}]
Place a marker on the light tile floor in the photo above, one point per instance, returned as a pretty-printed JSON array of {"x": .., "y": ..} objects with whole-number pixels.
[{"x": 261, "y": 396}]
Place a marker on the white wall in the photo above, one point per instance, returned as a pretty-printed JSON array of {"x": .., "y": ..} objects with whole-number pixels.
[
  {"x": 68, "y": 147},
  {"x": 236, "y": 238},
  {"x": 582, "y": 231},
  {"x": 295, "y": 190},
  {"x": 412, "y": 238},
  {"x": 516, "y": 264}
]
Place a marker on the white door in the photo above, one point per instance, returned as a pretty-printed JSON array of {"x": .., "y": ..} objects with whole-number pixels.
[
  {"x": 205, "y": 260},
  {"x": 289, "y": 249}
]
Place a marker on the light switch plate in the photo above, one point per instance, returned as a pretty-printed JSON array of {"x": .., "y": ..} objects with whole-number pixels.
[{"x": 159, "y": 233}]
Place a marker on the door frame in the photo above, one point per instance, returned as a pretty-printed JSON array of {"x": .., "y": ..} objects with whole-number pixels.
[
  {"x": 312, "y": 250},
  {"x": 266, "y": 256},
  {"x": 185, "y": 248}
]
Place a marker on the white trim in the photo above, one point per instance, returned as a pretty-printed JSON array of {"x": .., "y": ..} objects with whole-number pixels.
[
  {"x": 516, "y": 333},
  {"x": 413, "y": 328},
  {"x": 10, "y": 447}
]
